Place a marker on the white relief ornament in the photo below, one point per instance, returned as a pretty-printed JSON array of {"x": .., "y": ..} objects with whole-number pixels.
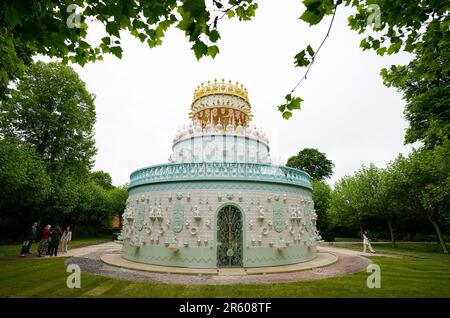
[
  {"x": 159, "y": 212},
  {"x": 193, "y": 231},
  {"x": 293, "y": 213},
  {"x": 196, "y": 211},
  {"x": 151, "y": 211},
  {"x": 261, "y": 212}
]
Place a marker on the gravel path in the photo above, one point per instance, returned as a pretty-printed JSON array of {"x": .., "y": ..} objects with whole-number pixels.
[{"x": 89, "y": 261}]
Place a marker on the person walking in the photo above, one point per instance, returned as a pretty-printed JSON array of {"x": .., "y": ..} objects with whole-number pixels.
[
  {"x": 28, "y": 239},
  {"x": 43, "y": 244},
  {"x": 65, "y": 239},
  {"x": 55, "y": 239},
  {"x": 366, "y": 243}
]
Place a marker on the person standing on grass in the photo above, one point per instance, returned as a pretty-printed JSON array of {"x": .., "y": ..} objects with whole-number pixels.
[
  {"x": 43, "y": 244},
  {"x": 55, "y": 239},
  {"x": 366, "y": 243},
  {"x": 65, "y": 239},
  {"x": 28, "y": 239}
]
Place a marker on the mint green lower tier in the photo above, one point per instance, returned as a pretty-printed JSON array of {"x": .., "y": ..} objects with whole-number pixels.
[{"x": 265, "y": 220}]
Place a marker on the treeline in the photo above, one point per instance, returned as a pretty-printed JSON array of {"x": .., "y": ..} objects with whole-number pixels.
[
  {"x": 409, "y": 196},
  {"x": 409, "y": 199},
  {"x": 46, "y": 157}
]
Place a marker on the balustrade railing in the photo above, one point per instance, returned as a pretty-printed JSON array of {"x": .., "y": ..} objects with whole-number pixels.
[{"x": 219, "y": 171}]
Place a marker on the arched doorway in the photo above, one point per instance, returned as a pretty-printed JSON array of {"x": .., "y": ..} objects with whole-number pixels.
[{"x": 229, "y": 237}]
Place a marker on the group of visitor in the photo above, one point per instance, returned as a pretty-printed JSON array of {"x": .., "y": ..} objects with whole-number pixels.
[{"x": 51, "y": 240}]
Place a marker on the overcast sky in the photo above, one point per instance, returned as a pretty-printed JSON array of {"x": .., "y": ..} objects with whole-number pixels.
[{"x": 348, "y": 113}]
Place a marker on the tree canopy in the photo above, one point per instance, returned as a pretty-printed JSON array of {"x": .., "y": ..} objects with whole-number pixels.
[
  {"x": 52, "y": 110},
  {"x": 413, "y": 187},
  {"x": 46, "y": 154},
  {"x": 314, "y": 162}
]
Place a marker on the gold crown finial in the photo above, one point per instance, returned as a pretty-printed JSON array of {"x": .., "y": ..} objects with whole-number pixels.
[{"x": 214, "y": 88}]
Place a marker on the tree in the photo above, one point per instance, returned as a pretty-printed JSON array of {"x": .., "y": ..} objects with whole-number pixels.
[
  {"x": 102, "y": 179},
  {"x": 24, "y": 187},
  {"x": 421, "y": 182},
  {"x": 313, "y": 162},
  {"x": 56, "y": 29},
  {"x": 378, "y": 197},
  {"x": 344, "y": 205},
  {"x": 321, "y": 197},
  {"x": 425, "y": 84},
  {"x": 52, "y": 110}
]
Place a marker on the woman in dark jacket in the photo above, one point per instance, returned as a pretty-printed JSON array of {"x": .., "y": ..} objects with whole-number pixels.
[
  {"x": 28, "y": 239},
  {"x": 54, "y": 242}
]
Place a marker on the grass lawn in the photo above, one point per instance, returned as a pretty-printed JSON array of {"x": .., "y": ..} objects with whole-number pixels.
[
  {"x": 426, "y": 274},
  {"x": 14, "y": 250}
]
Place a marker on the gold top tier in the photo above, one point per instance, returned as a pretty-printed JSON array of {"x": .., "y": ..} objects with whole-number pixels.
[
  {"x": 221, "y": 103},
  {"x": 221, "y": 88}
]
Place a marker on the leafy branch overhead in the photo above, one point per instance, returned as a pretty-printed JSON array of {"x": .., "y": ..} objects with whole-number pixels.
[
  {"x": 41, "y": 27},
  {"x": 411, "y": 26},
  {"x": 38, "y": 27}
]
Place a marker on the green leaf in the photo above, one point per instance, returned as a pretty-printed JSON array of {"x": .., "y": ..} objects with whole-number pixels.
[
  {"x": 213, "y": 50},
  {"x": 113, "y": 29},
  {"x": 310, "y": 50},
  {"x": 381, "y": 51},
  {"x": 314, "y": 12},
  {"x": 230, "y": 14},
  {"x": 287, "y": 115},
  {"x": 200, "y": 49},
  {"x": 301, "y": 60},
  {"x": 294, "y": 103},
  {"x": 282, "y": 108},
  {"x": 196, "y": 8},
  {"x": 106, "y": 40},
  {"x": 214, "y": 35},
  {"x": 288, "y": 97},
  {"x": 117, "y": 51},
  {"x": 12, "y": 16}
]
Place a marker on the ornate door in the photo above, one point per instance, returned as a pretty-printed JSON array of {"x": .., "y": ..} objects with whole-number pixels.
[{"x": 229, "y": 237}]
